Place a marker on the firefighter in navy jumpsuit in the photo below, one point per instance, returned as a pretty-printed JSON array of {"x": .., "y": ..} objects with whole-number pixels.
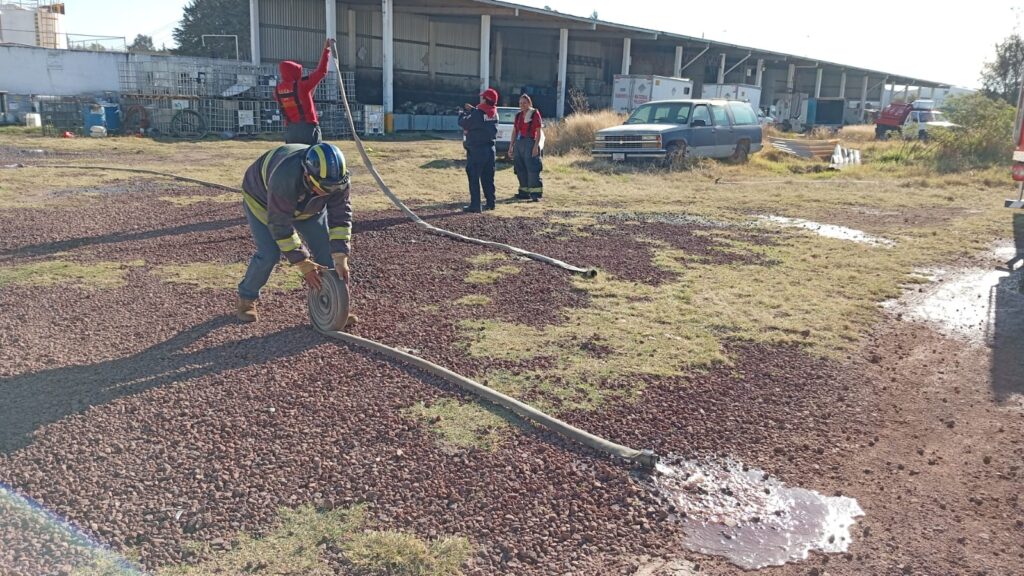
[{"x": 480, "y": 124}]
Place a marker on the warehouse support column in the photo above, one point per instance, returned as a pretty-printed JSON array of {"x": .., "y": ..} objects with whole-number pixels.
[
  {"x": 350, "y": 57},
  {"x": 485, "y": 52},
  {"x": 432, "y": 49},
  {"x": 759, "y": 75},
  {"x": 563, "y": 65},
  {"x": 388, "y": 20},
  {"x": 721, "y": 70},
  {"x": 627, "y": 46},
  {"x": 791, "y": 78},
  {"x": 864, "y": 99},
  {"x": 331, "y": 17},
  {"x": 499, "y": 53},
  {"x": 842, "y": 85},
  {"x": 817, "y": 82},
  {"x": 254, "y": 31},
  {"x": 677, "y": 68}
]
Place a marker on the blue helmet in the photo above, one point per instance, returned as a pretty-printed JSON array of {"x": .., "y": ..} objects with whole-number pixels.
[{"x": 325, "y": 165}]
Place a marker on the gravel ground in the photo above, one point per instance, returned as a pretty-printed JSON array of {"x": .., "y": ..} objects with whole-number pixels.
[{"x": 150, "y": 419}]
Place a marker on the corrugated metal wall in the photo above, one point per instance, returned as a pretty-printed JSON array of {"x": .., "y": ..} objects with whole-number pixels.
[{"x": 292, "y": 30}]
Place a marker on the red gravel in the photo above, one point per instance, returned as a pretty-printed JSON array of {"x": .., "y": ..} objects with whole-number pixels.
[{"x": 119, "y": 408}]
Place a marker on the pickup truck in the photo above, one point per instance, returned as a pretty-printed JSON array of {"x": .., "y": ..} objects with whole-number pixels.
[
  {"x": 669, "y": 129},
  {"x": 911, "y": 121}
]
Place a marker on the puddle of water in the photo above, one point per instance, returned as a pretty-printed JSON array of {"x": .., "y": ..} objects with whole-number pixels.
[
  {"x": 966, "y": 303},
  {"x": 830, "y": 231},
  {"x": 749, "y": 518}
]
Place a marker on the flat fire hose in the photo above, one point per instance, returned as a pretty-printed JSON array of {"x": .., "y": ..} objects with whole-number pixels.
[
  {"x": 585, "y": 272},
  {"x": 328, "y": 310}
]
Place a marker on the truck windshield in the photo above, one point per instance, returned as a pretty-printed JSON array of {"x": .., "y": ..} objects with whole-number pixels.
[
  {"x": 661, "y": 113},
  {"x": 931, "y": 116}
]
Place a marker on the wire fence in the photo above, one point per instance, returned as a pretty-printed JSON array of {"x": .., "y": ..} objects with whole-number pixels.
[{"x": 185, "y": 97}]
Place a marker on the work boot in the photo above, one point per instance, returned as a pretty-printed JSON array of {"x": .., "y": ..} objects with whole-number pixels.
[
  {"x": 472, "y": 208},
  {"x": 246, "y": 310},
  {"x": 536, "y": 196},
  {"x": 489, "y": 206}
]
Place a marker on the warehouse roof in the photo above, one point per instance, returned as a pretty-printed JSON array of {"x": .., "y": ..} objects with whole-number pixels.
[{"x": 516, "y": 15}]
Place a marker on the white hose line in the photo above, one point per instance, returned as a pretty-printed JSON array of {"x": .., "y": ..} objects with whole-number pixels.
[
  {"x": 646, "y": 458},
  {"x": 586, "y": 272}
]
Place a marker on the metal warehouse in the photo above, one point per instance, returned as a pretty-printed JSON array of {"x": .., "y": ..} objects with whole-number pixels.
[{"x": 435, "y": 54}]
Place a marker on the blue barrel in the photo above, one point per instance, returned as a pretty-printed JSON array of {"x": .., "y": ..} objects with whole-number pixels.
[
  {"x": 113, "y": 118},
  {"x": 93, "y": 115}
]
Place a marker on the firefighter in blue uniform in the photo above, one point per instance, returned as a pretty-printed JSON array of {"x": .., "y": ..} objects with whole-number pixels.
[{"x": 480, "y": 124}]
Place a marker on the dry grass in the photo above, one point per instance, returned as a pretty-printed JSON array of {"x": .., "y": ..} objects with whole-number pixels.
[
  {"x": 191, "y": 199},
  {"x": 98, "y": 275},
  {"x": 576, "y": 132},
  {"x": 294, "y": 549},
  {"x": 224, "y": 276},
  {"x": 461, "y": 425},
  {"x": 391, "y": 553},
  {"x": 858, "y": 133},
  {"x": 474, "y": 300}
]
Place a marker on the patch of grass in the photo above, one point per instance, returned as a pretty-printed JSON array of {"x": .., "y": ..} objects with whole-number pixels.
[
  {"x": 487, "y": 258},
  {"x": 474, "y": 300},
  {"x": 294, "y": 549},
  {"x": 106, "y": 564},
  {"x": 390, "y": 553},
  {"x": 53, "y": 272},
  {"x": 461, "y": 425},
  {"x": 577, "y": 131},
  {"x": 224, "y": 276},
  {"x": 491, "y": 276},
  {"x": 191, "y": 199},
  {"x": 31, "y": 187}
]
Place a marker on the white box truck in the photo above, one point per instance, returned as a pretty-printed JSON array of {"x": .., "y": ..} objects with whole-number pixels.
[
  {"x": 743, "y": 92},
  {"x": 633, "y": 90}
]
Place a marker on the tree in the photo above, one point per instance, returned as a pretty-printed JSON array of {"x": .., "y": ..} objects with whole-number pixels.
[
  {"x": 1001, "y": 78},
  {"x": 142, "y": 43},
  {"x": 214, "y": 17}
]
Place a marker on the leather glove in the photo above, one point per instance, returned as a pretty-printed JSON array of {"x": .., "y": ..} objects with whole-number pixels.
[
  {"x": 341, "y": 265},
  {"x": 310, "y": 272}
]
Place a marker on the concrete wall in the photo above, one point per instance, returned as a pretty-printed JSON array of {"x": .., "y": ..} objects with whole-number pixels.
[
  {"x": 17, "y": 25},
  {"x": 30, "y": 70}
]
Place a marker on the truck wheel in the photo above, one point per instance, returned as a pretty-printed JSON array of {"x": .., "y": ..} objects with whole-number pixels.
[
  {"x": 742, "y": 153},
  {"x": 786, "y": 126},
  {"x": 881, "y": 133},
  {"x": 675, "y": 152},
  {"x": 922, "y": 135}
]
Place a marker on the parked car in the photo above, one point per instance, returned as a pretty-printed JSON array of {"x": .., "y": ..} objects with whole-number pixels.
[
  {"x": 670, "y": 129},
  {"x": 506, "y": 122}
]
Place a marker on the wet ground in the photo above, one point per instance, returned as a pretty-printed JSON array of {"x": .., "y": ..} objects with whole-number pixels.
[{"x": 149, "y": 419}]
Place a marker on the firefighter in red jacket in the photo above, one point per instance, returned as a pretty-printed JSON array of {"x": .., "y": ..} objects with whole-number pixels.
[
  {"x": 294, "y": 95},
  {"x": 525, "y": 150}
]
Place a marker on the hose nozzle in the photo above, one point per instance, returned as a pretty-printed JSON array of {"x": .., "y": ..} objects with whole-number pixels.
[{"x": 647, "y": 459}]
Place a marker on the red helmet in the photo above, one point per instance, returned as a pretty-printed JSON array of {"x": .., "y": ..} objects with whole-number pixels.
[{"x": 491, "y": 95}]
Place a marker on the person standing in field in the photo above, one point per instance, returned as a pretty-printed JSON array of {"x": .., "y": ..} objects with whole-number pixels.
[{"x": 294, "y": 95}]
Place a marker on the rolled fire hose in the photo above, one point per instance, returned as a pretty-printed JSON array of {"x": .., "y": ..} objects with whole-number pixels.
[
  {"x": 328, "y": 310},
  {"x": 585, "y": 272}
]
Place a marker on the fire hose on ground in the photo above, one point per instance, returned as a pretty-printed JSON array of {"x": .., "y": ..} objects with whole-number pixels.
[
  {"x": 329, "y": 307},
  {"x": 328, "y": 311}
]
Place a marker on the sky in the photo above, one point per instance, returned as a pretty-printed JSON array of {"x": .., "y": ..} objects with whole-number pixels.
[{"x": 926, "y": 41}]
